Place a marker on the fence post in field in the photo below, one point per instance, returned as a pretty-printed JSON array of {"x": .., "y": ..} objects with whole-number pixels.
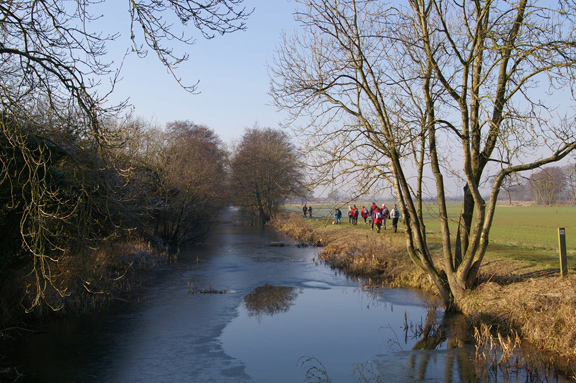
[{"x": 562, "y": 249}]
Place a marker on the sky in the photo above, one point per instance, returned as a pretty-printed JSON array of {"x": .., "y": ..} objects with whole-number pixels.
[{"x": 231, "y": 70}]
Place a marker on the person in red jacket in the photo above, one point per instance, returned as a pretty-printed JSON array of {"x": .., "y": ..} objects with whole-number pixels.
[
  {"x": 364, "y": 213},
  {"x": 355, "y": 213},
  {"x": 372, "y": 212},
  {"x": 378, "y": 218}
]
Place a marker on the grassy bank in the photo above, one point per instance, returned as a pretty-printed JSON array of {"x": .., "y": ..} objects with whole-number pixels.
[
  {"x": 520, "y": 290},
  {"x": 358, "y": 250}
]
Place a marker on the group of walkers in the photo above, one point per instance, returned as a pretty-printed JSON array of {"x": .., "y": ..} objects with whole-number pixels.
[
  {"x": 307, "y": 210},
  {"x": 376, "y": 216}
]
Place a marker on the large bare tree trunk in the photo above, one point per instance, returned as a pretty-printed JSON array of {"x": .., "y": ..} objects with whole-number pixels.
[{"x": 397, "y": 93}]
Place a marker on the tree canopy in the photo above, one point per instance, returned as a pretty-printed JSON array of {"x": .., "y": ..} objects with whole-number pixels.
[
  {"x": 265, "y": 171},
  {"x": 52, "y": 56},
  {"x": 188, "y": 181}
]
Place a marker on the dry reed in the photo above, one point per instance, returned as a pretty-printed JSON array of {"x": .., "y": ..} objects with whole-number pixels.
[
  {"x": 378, "y": 256},
  {"x": 84, "y": 281},
  {"x": 541, "y": 309}
]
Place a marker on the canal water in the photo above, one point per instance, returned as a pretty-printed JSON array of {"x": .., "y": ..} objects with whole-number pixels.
[{"x": 236, "y": 309}]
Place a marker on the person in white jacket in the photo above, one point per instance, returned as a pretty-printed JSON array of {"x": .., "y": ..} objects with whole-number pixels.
[{"x": 395, "y": 215}]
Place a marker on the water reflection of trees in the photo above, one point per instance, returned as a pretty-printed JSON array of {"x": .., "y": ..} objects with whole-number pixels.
[
  {"x": 442, "y": 350},
  {"x": 270, "y": 300},
  {"x": 459, "y": 365},
  {"x": 451, "y": 332}
]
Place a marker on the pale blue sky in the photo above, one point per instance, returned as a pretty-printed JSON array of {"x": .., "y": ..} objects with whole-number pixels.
[{"x": 232, "y": 70}]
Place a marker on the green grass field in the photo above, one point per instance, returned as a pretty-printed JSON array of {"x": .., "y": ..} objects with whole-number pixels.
[
  {"x": 527, "y": 226},
  {"x": 528, "y": 233}
]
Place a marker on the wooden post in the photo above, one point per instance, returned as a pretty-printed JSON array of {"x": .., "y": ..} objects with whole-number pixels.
[{"x": 562, "y": 249}]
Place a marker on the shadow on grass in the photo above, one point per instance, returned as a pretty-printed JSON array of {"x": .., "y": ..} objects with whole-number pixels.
[
  {"x": 507, "y": 279},
  {"x": 507, "y": 264}
]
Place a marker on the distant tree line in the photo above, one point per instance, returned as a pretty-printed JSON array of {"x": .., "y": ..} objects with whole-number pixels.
[{"x": 546, "y": 186}]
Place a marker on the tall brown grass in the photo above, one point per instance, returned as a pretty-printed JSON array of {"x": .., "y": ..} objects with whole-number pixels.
[
  {"x": 83, "y": 281},
  {"x": 541, "y": 310},
  {"x": 381, "y": 257},
  {"x": 292, "y": 225}
]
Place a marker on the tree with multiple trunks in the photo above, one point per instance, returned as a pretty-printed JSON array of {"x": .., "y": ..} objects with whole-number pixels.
[
  {"x": 265, "y": 171},
  {"x": 409, "y": 93},
  {"x": 548, "y": 184}
]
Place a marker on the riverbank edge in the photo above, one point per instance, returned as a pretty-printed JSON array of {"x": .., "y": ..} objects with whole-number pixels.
[
  {"x": 82, "y": 284},
  {"x": 85, "y": 285},
  {"x": 517, "y": 301}
]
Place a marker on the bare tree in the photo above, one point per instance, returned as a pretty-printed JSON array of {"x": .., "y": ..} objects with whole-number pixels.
[
  {"x": 179, "y": 173},
  {"x": 507, "y": 186},
  {"x": 58, "y": 196},
  {"x": 514, "y": 187},
  {"x": 548, "y": 184},
  {"x": 411, "y": 94},
  {"x": 53, "y": 128},
  {"x": 571, "y": 183},
  {"x": 50, "y": 52},
  {"x": 265, "y": 171}
]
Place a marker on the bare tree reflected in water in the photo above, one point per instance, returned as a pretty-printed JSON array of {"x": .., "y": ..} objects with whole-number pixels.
[
  {"x": 270, "y": 300},
  {"x": 442, "y": 350},
  {"x": 459, "y": 366},
  {"x": 502, "y": 361}
]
